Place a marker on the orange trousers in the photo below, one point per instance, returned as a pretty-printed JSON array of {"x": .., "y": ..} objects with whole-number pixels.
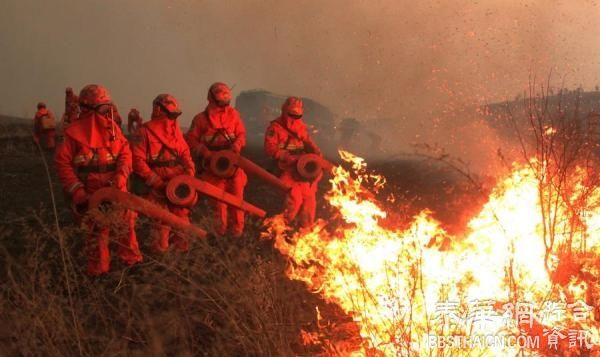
[
  {"x": 47, "y": 138},
  {"x": 229, "y": 218},
  {"x": 162, "y": 233},
  {"x": 98, "y": 239},
  {"x": 300, "y": 200}
]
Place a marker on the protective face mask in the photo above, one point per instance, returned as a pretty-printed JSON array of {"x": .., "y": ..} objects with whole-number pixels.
[
  {"x": 222, "y": 103},
  {"x": 173, "y": 115}
]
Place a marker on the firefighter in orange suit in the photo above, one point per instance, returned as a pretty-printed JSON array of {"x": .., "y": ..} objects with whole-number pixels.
[
  {"x": 134, "y": 122},
  {"x": 94, "y": 155},
  {"x": 286, "y": 139},
  {"x": 161, "y": 154},
  {"x": 44, "y": 127},
  {"x": 71, "y": 108},
  {"x": 220, "y": 127}
]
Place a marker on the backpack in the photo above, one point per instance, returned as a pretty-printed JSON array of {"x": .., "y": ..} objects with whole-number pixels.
[{"x": 47, "y": 122}]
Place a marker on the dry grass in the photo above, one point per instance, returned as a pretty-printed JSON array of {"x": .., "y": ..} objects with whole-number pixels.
[{"x": 224, "y": 297}]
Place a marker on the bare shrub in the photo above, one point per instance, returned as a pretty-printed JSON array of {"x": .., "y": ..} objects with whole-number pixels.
[{"x": 560, "y": 145}]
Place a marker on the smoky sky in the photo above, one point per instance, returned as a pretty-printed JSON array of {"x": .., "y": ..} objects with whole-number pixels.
[{"x": 409, "y": 61}]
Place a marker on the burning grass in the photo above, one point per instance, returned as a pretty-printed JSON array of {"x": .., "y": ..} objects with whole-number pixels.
[
  {"x": 408, "y": 287},
  {"x": 525, "y": 273},
  {"x": 225, "y": 297},
  {"x": 365, "y": 281}
]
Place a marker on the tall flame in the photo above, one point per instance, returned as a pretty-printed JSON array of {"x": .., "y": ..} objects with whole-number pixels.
[{"x": 403, "y": 285}]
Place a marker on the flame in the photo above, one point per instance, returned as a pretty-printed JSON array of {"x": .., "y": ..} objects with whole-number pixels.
[
  {"x": 550, "y": 131},
  {"x": 403, "y": 285}
]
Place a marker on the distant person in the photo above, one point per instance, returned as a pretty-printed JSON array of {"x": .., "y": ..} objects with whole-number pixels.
[
  {"x": 285, "y": 141},
  {"x": 134, "y": 122},
  {"x": 161, "y": 154},
  {"x": 93, "y": 155},
  {"x": 71, "y": 108},
  {"x": 44, "y": 127},
  {"x": 220, "y": 127}
]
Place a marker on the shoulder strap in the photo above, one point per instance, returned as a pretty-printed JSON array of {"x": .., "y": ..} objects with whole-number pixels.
[
  {"x": 290, "y": 134},
  {"x": 288, "y": 130},
  {"x": 148, "y": 153},
  {"x": 220, "y": 131},
  {"x": 163, "y": 147}
]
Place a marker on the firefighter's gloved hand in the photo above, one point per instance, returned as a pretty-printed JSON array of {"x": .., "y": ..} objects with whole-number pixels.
[
  {"x": 236, "y": 147},
  {"x": 80, "y": 197},
  {"x": 156, "y": 182},
  {"x": 160, "y": 184},
  {"x": 312, "y": 147},
  {"x": 202, "y": 151},
  {"x": 207, "y": 154},
  {"x": 196, "y": 150},
  {"x": 284, "y": 156},
  {"x": 119, "y": 182}
]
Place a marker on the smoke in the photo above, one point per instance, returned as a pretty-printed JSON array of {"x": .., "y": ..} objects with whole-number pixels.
[{"x": 421, "y": 65}]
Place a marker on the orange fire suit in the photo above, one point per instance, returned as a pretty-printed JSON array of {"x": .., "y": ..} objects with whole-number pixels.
[
  {"x": 217, "y": 129},
  {"x": 46, "y": 134},
  {"x": 71, "y": 110},
  {"x": 134, "y": 122},
  {"x": 161, "y": 154},
  {"x": 90, "y": 158},
  {"x": 286, "y": 139}
]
